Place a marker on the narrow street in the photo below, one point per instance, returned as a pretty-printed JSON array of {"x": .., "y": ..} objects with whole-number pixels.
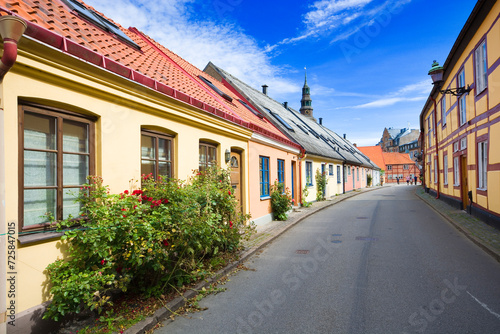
[{"x": 379, "y": 262}]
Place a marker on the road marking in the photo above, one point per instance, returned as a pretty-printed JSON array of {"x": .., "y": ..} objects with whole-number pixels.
[{"x": 485, "y": 306}]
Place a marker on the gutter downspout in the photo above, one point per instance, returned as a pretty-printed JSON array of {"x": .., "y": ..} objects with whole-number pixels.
[
  {"x": 343, "y": 177},
  {"x": 436, "y": 143},
  {"x": 11, "y": 29},
  {"x": 301, "y": 155}
]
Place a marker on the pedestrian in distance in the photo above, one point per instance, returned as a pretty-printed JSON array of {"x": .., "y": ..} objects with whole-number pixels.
[
  {"x": 408, "y": 180},
  {"x": 397, "y": 179},
  {"x": 415, "y": 177}
]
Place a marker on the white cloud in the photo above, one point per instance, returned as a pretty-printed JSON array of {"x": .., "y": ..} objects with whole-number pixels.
[
  {"x": 343, "y": 18},
  {"x": 410, "y": 93},
  {"x": 385, "y": 102},
  {"x": 172, "y": 23}
]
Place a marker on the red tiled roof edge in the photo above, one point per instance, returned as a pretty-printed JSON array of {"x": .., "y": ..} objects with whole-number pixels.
[{"x": 68, "y": 46}]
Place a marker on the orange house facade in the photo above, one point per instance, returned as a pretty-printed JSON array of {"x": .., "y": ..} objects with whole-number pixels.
[{"x": 460, "y": 121}]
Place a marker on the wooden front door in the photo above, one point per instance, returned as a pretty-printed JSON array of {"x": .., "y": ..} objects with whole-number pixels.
[
  {"x": 463, "y": 182},
  {"x": 236, "y": 175}
]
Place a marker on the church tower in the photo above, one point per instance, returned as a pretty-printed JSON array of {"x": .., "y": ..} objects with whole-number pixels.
[{"x": 306, "y": 102}]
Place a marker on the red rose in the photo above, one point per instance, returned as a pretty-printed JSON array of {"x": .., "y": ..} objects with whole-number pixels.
[
  {"x": 123, "y": 209},
  {"x": 165, "y": 242},
  {"x": 230, "y": 224},
  {"x": 103, "y": 262},
  {"x": 126, "y": 192}
]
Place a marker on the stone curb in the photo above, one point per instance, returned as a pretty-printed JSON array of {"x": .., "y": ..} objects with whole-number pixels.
[
  {"x": 169, "y": 309},
  {"x": 482, "y": 244}
]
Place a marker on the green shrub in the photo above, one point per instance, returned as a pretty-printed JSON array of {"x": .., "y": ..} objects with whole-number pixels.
[
  {"x": 281, "y": 201},
  {"x": 368, "y": 180},
  {"x": 320, "y": 185},
  {"x": 305, "y": 193},
  {"x": 144, "y": 240}
]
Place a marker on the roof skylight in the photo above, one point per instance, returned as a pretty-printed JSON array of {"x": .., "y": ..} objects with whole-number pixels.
[
  {"x": 255, "y": 112},
  {"x": 99, "y": 21},
  {"x": 217, "y": 90},
  {"x": 281, "y": 120}
]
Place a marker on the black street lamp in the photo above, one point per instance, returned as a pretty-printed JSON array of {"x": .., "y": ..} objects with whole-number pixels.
[{"x": 436, "y": 73}]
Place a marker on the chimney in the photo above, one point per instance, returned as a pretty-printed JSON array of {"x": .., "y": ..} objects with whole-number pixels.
[
  {"x": 344, "y": 136},
  {"x": 285, "y": 104},
  {"x": 321, "y": 121},
  {"x": 264, "y": 89},
  {"x": 355, "y": 145}
]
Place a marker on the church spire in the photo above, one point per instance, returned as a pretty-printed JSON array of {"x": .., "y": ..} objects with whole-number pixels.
[{"x": 306, "y": 102}]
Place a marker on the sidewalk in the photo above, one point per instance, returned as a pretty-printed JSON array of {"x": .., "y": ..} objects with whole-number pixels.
[
  {"x": 482, "y": 234},
  {"x": 265, "y": 234}
]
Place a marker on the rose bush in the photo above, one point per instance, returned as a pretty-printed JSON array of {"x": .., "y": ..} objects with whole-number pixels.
[
  {"x": 281, "y": 201},
  {"x": 145, "y": 240}
]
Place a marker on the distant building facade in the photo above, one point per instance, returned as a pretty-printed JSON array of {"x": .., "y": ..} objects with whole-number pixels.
[{"x": 393, "y": 138}]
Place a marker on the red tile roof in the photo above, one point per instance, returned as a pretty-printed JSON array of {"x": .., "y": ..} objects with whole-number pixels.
[
  {"x": 375, "y": 155},
  {"x": 382, "y": 159},
  {"x": 395, "y": 158},
  {"x": 155, "y": 66}
]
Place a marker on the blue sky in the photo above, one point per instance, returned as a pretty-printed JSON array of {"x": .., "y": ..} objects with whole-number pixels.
[{"x": 367, "y": 60}]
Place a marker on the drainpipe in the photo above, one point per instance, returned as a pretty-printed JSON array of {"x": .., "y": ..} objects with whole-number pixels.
[
  {"x": 11, "y": 29},
  {"x": 301, "y": 155},
  {"x": 436, "y": 141},
  {"x": 343, "y": 177}
]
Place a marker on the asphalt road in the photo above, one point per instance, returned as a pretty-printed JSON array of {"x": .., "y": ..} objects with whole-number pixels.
[{"x": 380, "y": 262}]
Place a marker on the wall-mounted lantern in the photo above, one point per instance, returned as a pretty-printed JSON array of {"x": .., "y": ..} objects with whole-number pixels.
[
  {"x": 228, "y": 155},
  {"x": 436, "y": 73}
]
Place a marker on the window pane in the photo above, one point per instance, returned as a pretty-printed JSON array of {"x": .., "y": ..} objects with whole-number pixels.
[
  {"x": 37, "y": 202},
  {"x": 75, "y": 169},
  {"x": 39, "y": 169},
  {"x": 75, "y": 137},
  {"x": 164, "y": 149},
  {"x": 203, "y": 155},
  {"x": 212, "y": 155},
  {"x": 165, "y": 169},
  {"x": 69, "y": 205},
  {"x": 148, "y": 167},
  {"x": 39, "y": 132},
  {"x": 148, "y": 145}
]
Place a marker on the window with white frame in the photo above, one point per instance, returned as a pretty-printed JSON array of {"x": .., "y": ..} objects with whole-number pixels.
[
  {"x": 443, "y": 111},
  {"x": 482, "y": 164},
  {"x": 456, "y": 172},
  {"x": 481, "y": 68},
  {"x": 389, "y": 167},
  {"x": 455, "y": 147},
  {"x": 463, "y": 143},
  {"x": 462, "y": 106},
  {"x": 445, "y": 169}
]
